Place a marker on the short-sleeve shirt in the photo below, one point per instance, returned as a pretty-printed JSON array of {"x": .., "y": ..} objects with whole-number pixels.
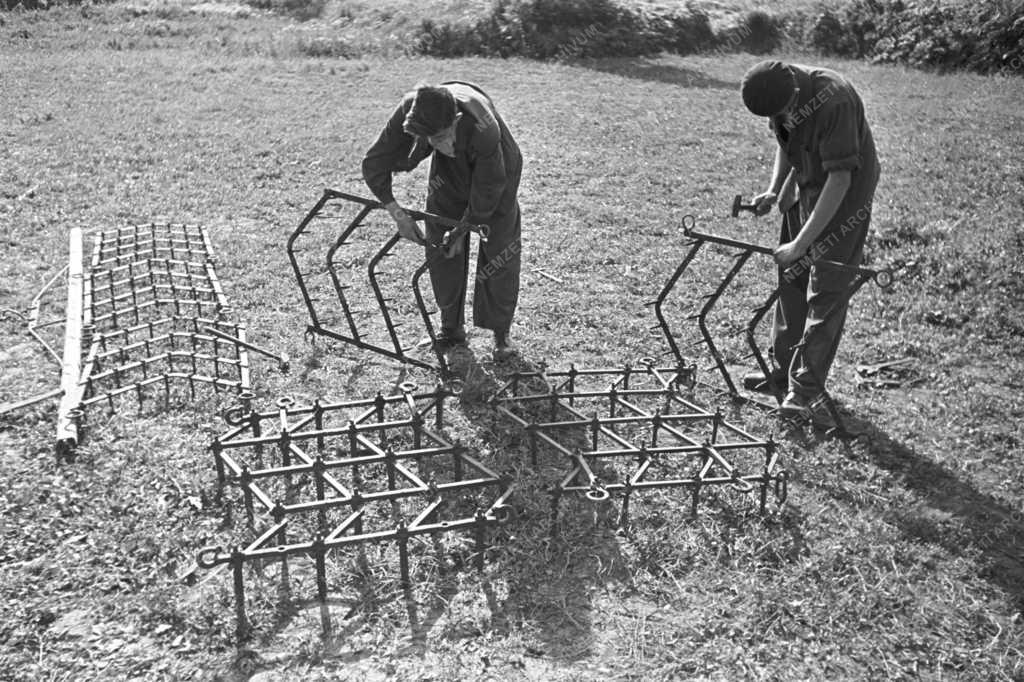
[{"x": 828, "y": 132}]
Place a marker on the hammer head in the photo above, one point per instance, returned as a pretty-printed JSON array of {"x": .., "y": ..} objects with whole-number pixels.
[{"x": 738, "y": 205}]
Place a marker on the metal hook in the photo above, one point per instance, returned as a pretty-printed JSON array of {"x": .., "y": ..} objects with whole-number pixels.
[{"x": 688, "y": 223}]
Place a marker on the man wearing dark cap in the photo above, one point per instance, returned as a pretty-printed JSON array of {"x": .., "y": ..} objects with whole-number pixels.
[
  {"x": 825, "y": 150},
  {"x": 475, "y": 169}
]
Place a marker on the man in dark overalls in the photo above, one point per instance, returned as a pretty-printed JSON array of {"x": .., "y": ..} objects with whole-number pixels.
[
  {"x": 826, "y": 150},
  {"x": 474, "y": 177}
]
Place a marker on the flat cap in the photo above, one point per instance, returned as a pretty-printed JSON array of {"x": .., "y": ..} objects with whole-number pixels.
[{"x": 767, "y": 88}]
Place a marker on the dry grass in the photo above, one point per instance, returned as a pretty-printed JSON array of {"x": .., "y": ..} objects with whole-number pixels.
[{"x": 897, "y": 556}]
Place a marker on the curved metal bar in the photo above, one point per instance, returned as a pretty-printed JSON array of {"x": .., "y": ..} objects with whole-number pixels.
[
  {"x": 339, "y": 288},
  {"x": 755, "y": 350},
  {"x": 712, "y": 299},
  {"x": 665, "y": 291},
  {"x": 382, "y": 302},
  {"x": 290, "y": 247},
  {"x": 421, "y": 304}
]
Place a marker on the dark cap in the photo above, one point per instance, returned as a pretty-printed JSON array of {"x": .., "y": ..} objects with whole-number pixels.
[
  {"x": 768, "y": 87},
  {"x": 433, "y": 110}
]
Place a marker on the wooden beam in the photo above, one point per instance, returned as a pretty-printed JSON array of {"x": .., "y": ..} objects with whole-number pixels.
[{"x": 71, "y": 366}]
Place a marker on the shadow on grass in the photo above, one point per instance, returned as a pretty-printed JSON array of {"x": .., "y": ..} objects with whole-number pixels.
[
  {"x": 641, "y": 68},
  {"x": 990, "y": 527},
  {"x": 551, "y": 556}
]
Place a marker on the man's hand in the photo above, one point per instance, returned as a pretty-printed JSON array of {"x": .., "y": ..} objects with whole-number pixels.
[
  {"x": 788, "y": 253},
  {"x": 406, "y": 225},
  {"x": 763, "y": 202}
]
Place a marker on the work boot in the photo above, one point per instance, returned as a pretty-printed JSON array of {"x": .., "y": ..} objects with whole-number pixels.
[
  {"x": 449, "y": 339},
  {"x": 795, "y": 406},
  {"x": 503, "y": 348},
  {"x": 755, "y": 381},
  {"x": 815, "y": 410}
]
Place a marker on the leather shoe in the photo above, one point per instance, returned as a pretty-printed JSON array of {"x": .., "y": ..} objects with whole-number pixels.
[
  {"x": 503, "y": 347},
  {"x": 755, "y": 381}
]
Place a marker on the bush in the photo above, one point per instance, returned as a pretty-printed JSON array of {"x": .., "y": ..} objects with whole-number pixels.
[
  {"x": 757, "y": 32},
  {"x": 1003, "y": 33},
  {"x": 930, "y": 33},
  {"x": 566, "y": 29},
  {"x": 682, "y": 32},
  {"x": 827, "y": 34}
]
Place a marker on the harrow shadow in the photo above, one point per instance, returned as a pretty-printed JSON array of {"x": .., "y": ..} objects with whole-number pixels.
[
  {"x": 543, "y": 568},
  {"x": 590, "y": 442}
]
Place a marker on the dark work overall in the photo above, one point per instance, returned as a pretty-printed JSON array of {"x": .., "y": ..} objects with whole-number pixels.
[
  {"x": 452, "y": 180},
  {"x": 810, "y": 313},
  {"x": 478, "y": 185}
]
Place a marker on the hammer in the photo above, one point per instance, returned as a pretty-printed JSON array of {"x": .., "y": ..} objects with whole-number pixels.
[{"x": 738, "y": 205}]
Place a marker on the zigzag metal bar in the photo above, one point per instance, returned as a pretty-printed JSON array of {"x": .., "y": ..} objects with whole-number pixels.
[
  {"x": 300, "y": 280},
  {"x": 660, "y": 301},
  {"x": 371, "y": 271},
  {"x": 703, "y": 315}
]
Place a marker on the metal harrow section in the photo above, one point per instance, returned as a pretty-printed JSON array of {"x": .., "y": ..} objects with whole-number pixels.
[
  {"x": 627, "y": 431},
  {"x": 726, "y": 355},
  {"x": 153, "y": 318},
  {"x": 367, "y": 311},
  {"x": 326, "y": 478}
]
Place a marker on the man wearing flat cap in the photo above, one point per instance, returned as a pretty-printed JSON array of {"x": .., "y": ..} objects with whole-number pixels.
[
  {"x": 826, "y": 163},
  {"x": 475, "y": 167}
]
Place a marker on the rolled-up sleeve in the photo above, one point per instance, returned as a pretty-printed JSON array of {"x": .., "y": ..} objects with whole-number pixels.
[
  {"x": 488, "y": 180},
  {"x": 392, "y": 151},
  {"x": 839, "y": 136}
]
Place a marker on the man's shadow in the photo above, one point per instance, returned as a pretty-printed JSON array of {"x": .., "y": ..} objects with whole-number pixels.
[{"x": 992, "y": 528}]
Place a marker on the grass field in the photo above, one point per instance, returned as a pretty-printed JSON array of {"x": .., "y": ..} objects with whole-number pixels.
[{"x": 896, "y": 556}]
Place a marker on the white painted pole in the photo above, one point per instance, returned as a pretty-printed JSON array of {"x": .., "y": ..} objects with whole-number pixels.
[{"x": 71, "y": 366}]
